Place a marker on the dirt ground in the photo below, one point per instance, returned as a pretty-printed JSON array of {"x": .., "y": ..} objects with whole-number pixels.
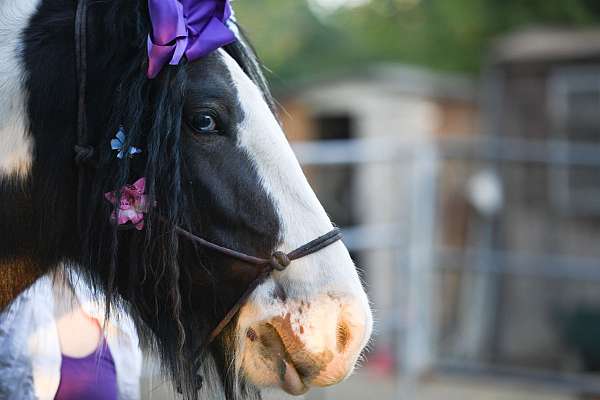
[{"x": 364, "y": 386}]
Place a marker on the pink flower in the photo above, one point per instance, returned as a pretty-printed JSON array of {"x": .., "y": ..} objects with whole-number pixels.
[{"x": 132, "y": 204}]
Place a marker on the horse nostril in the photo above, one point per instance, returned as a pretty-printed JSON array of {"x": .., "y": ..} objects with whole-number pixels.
[
  {"x": 251, "y": 334},
  {"x": 343, "y": 336}
]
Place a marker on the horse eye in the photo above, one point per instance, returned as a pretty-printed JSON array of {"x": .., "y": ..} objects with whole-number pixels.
[{"x": 203, "y": 123}]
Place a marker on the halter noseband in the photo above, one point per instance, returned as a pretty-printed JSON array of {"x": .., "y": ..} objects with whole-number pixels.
[{"x": 278, "y": 261}]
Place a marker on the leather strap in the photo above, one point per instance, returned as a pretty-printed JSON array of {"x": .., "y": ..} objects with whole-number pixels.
[{"x": 279, "y": 261}]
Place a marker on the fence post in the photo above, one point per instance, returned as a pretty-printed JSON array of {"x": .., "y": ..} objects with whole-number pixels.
[{"x": 419, "y": 349}]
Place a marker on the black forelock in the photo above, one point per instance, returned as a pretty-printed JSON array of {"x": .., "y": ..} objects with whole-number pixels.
[{"x": 119, "y": 94}]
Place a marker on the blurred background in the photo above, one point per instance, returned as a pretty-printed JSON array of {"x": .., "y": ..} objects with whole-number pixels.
[{"x": 457, "y": 142}]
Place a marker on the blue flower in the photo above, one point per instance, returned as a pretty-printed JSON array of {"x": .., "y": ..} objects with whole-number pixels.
[{"x": 118, "y": 143}]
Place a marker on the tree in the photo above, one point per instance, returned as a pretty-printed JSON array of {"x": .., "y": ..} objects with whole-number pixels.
[{"x": 454, "y": 35}]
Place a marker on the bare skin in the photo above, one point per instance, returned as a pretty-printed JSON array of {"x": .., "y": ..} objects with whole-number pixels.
[{"x": 79, "y": 334}]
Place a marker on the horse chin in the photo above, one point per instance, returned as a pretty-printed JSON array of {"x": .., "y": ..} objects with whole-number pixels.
[
  {"x": 218, "y": 383},
  {"x": 294, "y": 345},
  {"x": 223, "y": 379}
]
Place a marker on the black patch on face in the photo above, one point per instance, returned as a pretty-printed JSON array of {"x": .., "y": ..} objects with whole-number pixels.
[{"x": 227, "y": 202}]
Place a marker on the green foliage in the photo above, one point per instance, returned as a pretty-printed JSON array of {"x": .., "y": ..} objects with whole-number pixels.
[{"x": 452, "y": 35}]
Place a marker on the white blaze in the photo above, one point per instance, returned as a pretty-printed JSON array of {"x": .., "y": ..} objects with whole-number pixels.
[
  {"x": 301, "y": 215},
  {"x": 15, "y": 145},
  {"x": 302, "y": 218}
]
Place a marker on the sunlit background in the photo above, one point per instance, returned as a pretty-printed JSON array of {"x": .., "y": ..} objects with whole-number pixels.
[{"x": 457, "y": 142}]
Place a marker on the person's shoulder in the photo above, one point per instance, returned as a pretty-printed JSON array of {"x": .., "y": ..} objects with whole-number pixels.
[{"x": 35, "y": 295}]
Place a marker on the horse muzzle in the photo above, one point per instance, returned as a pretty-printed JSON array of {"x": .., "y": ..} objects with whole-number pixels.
[{"x": 307, "y": 344}]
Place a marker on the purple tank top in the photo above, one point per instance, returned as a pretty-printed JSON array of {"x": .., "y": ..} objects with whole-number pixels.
[{"x": 91, "y": 378}]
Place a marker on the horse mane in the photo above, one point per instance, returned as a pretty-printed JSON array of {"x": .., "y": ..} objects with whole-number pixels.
[{"x": 120, "y": 94}]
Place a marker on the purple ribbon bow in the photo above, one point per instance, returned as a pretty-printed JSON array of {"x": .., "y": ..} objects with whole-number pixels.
[{"x": 193, "y": 28}]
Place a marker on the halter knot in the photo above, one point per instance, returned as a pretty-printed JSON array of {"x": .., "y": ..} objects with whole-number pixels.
[
  {"x": 280, "y": 261},
  {"x": 84, "y": 154}
]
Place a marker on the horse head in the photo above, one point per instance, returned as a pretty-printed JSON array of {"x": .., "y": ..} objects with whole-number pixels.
[{"x": 200, "y": 150}]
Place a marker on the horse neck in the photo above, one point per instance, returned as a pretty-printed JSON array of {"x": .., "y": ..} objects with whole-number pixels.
[
  {"x": 38, "y": 231},
  {"x": 37, "y": 174},
  {"x": 16, "y": 276}
]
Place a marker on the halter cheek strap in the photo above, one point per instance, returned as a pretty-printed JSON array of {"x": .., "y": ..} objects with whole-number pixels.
[
  {"x": 278, "y": 261},
  {"x": 84, "y": 153}
]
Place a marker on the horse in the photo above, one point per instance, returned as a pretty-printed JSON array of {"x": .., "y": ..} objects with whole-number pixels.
[{"x": 201, "y": 145}]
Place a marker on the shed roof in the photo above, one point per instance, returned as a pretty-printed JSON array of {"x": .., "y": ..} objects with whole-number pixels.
[
  {"x": 544, "y": 44},
  {"x": 391, "y": 77}
]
